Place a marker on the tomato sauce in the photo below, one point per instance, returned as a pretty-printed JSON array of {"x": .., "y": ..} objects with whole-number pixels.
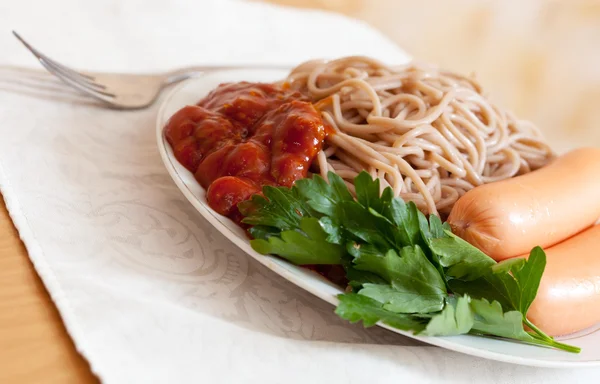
[{"x": 243, "y": 136}]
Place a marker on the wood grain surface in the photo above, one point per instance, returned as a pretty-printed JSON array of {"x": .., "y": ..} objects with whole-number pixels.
[{"x": 34, "y": 345}]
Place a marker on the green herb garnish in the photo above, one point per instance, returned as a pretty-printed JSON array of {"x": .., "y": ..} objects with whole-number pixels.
[{"x": 404, "y": 269}]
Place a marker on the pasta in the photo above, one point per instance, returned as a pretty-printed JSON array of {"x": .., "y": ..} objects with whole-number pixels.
[{"x": 430, "y": 135}]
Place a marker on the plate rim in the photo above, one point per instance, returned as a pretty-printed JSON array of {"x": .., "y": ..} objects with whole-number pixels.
[{"x": 273, "y": 263}]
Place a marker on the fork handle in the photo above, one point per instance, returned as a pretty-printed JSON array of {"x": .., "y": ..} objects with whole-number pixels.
[{"x": 187, "y": 72}]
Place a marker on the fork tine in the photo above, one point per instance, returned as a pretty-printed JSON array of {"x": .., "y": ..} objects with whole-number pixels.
[
  {"x": 71, "y": 72},
  {"x": 78, "y": 80},
  {"x": 71, "y": 80},
  {"x": 64, "y": 72},
  {"x": 39, "y": 55},
  {"x": 73, "y": 75},
  {"x": 77, "y": 76},
  {"x": 103, "y": 96},
  {"x": 67, "y": 75},
  {"x": 106, "y": 96}
]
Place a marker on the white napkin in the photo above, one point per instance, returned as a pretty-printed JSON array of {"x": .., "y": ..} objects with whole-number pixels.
[{"x": 147, "y": 289}]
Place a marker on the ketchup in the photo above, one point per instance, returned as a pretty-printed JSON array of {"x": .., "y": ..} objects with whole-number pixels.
[{"x": 243, "y": 136}]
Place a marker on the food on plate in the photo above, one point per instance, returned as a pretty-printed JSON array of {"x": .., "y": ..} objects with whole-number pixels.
[
  {"x": 568, "y": 299},
  {"x": 510, "y": 217},
  {"x": 402, "y": 268},
  {"x": 350, "y": 167},
  {"x": 430, "y": 134},
  {"x": 243, "y": 136}
]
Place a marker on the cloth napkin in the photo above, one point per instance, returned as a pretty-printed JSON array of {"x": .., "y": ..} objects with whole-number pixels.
[{"x": 147, "y": 289}]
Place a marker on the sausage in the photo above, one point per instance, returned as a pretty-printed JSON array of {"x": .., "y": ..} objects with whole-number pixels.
[
  {"x": 568, "y": 299},
  {"x": 508, "y": 218}
]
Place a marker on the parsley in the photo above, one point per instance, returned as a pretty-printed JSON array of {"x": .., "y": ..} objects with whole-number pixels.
[
  {"x": 321, "y": 196},
  {"x": 306, "y": 246},
  {"x": 354, "y": 307},
  {"x": 405, "y": 218},
  {"x": 362, "y": 224},
  {"x": 513, "y": 282},
  {"x": 461, "y": 259},
  {"x": 403, "y": 269},
  {"x": 414, "y": 285},
  {"x": 490, "y": 319},
  {"x": 280, "y": 208},
  {"x": 457, "y": 318},
  {"x": 367, "y": 192}
]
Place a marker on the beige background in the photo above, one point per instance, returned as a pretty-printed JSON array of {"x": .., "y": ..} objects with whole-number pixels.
[{"x": 539, "y": 58}]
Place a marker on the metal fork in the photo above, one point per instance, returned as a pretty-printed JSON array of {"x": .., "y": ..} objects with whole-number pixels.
[{"x": 125, "y": 91}]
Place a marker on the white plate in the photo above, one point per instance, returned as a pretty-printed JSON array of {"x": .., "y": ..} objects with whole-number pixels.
[{"x": 190, "y": 92}]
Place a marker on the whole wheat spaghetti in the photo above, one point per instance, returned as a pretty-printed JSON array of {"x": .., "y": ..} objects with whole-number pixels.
[{"x": 430, "y": 135}]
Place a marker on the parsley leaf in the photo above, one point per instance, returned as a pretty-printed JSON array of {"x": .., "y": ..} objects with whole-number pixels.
[
  {"x": 432, "y": 229},
  {"x": 398, "y": 236},
  {"x": 462, "y": 260},
  {"x": 415, "y": 286},
  {"x": 367, "y": 191},
  {"x": 357, "y": 279},
  {"x": 405, "y": 216},
  {"x": 455, "y": 319},
  {"x": 280, "y": 208},
  {"x": 308, "y": 246},
  {"x": 513, "y": 283},
  {"x": 333, "y": 229},
  {"x": 395, "y": 299},
  {"x": 529, "y": 278},
  {"x": 263, "y": 232},
  {"x": 354, "y": 307},
  {"x": 321, "y": 196},
  {"x": 491, "y": 320},
  {"x": 358, "y": 221},
  {"x": 428, "y": 231}
]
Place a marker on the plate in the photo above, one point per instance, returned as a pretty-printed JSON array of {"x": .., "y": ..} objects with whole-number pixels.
[{"x": 190, "y": 92}]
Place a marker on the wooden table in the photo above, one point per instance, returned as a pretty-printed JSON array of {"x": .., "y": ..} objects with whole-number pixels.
[{"x": 34, "y": 345}]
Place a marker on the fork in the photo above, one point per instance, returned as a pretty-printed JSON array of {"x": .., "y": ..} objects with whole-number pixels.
[{"x": 126, "y": 91}]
